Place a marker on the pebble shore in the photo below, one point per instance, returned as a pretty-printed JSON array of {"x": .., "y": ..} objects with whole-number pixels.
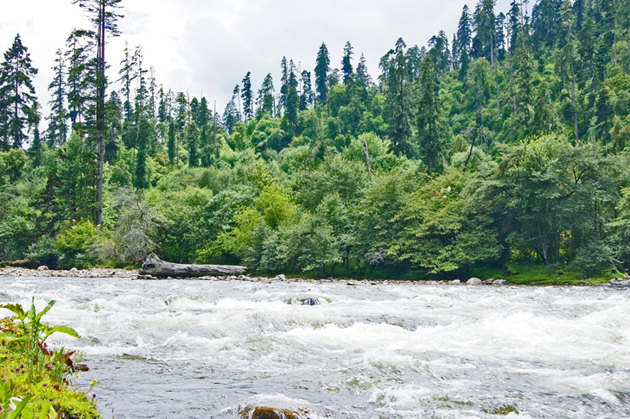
[{"x": 134, "y": 274}]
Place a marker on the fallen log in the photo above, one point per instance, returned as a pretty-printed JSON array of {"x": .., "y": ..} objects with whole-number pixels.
[{"x": 154, "y": 266}]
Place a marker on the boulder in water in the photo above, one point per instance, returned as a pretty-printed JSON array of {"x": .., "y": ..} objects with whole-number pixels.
[
  {"x": 455, "y": 282},
  {"x": 474, "y": 281},
  {"x": 311, "y": 301},
  {"x": 261, "y": 412},
  {"x": 500, "y": 282}
]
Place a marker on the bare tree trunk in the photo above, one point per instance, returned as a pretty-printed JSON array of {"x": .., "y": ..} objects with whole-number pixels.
[
  {"x": 100, "y": 113},
  {"x": 496, "y": 73},
  {"x": 575, "y": 113},
  {"x": 367, "y": 157},
  {"x": 155, "y": 267}
]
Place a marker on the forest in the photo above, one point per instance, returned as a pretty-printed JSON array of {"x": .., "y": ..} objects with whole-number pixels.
[{"x": 505, "y": 146}]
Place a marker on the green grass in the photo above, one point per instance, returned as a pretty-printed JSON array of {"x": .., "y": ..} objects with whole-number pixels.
[{"x": 521, "y": 274}]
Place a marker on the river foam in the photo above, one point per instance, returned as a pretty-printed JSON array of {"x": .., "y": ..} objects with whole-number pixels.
[{"x": 213, "y": 348}]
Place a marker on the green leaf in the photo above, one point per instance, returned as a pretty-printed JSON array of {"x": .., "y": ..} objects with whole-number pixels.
[
  {"x": 45, "y": 310},
  {"x": 61, "y": 329},
  {"x": 47, "y": 411},
  {"x": 18, "y": 411},
  {"x": 15, "y": 309}
]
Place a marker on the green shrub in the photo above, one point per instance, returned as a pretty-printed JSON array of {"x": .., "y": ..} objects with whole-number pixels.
[{"x": 76, "y": 245}]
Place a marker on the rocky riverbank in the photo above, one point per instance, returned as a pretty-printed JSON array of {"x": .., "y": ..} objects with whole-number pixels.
[
  {"x": 43, "y": 271},
  {"x": 134, "y": 275}
]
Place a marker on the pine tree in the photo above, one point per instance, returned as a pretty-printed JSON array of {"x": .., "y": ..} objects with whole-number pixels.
[
  {"x": 104, "y": 17},
  {"x": 307, "y": 96},
  {"x": 81, "y": 78},
  {"x": 524, "y": 73},
  {"x": 57, "y": 131},
  {"x": 544, "y": 118},
  {"x": 192, "y": 139},
  {"x": 464, "y": 31},
  {"x": 172, "y": 132},
  {"x": 397, "y": 89},
  {"x": 346, "y": 63},
  {"x": 36, "y": 147},
  {"x": 484, "y": 25},
  {"x": 513, "y": 24},
  {"x": 246, "y": 95},
  {"x": 17, "y": 94},
  {"x": 363, "y": 77},
  {"x": 265, "y": 99},
  {"x": 140, "y": 180},
  {"x": 430, "y": 128},
  {"x": 194, "y": 110},
  {"x": 204, "y": 113},
  {"x": 127, "y": 75},
  {"x": 322, "y": 68}
]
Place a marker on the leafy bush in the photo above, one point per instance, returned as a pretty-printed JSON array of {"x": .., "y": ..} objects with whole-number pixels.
[
  {"x": 593, "y": 258},
  {"x": 76, "y": 245},
  {"x": 44, "y": 252}
]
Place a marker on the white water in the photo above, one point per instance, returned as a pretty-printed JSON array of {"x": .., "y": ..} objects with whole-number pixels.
[{"x": 199, "y": 349}]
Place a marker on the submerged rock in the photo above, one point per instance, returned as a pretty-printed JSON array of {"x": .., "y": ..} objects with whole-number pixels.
[
  {"x": 311, "y": 301},
  {"x": 474, "y": 281},
  {"x": 261, "y": 412}
]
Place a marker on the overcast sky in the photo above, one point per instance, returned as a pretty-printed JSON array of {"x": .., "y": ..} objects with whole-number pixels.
[{"x": 206, "y": 47}]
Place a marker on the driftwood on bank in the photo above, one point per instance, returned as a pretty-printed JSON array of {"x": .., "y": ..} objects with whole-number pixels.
[{"x": 156, "y": 267}]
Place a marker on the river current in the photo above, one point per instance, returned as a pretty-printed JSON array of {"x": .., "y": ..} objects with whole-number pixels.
[{"x": 209, "y": 349}]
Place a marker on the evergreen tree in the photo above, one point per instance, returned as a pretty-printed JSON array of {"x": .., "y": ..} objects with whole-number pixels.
[
  {"x": 163, "y": 107},
  {"x": 192, "y": 139},
  {"x": 127, "y": 74},
  {"x": 246, "y": 95},
  {"x": 544, "y": 118},
  {"x": 322, "y": 68},
  {"x": 230, "y": 116},
  {"x": 513, "y": 24},
  {"x": 172, "y": 132},
  {"x": 524, "y": 73},
  {"x": 265, "y": 99},
  {"x": 17, "y": 94},
  {"x": 204, "y": 113},
  {"x": 307, "y": 96},
  {"x": 104, "y": 17},
  {"x": 464, "y": 31},
  {"x": 182, "y": 110},
  {"x": 346, "y": 63},
  {"x": 36, "y": 147},
  {"x": 430, "y": 128},
  {"x": 363, "y": 77},
  {"x": 57, "y": 131},
  {"x": 485, "y": 26},
  {"x": 140, "y": 180},
  {"x": 397, "y": 89},
  {"x": 545, "y": 23},
  {"x": 114, "y": 113},
  {"x": 81, "y": 78}
]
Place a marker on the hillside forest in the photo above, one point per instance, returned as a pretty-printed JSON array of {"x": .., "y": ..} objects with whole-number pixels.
[{"x": 502, "y": 146}]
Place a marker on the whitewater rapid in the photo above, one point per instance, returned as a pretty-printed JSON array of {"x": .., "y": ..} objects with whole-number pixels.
[{"x": 200, "y": 349}]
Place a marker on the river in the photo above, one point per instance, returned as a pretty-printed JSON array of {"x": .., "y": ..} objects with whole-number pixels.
[{"x": 202, "y": 349}]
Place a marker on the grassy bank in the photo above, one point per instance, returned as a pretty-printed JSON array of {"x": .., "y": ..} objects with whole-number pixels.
[{"x": 36, "y": 381}]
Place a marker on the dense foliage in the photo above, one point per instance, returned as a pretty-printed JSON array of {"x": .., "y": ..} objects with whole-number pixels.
[{"x": 509, "y": 144}]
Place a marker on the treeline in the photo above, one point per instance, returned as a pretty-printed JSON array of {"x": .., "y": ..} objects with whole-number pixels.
[{"x": 504, "y": 145}]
